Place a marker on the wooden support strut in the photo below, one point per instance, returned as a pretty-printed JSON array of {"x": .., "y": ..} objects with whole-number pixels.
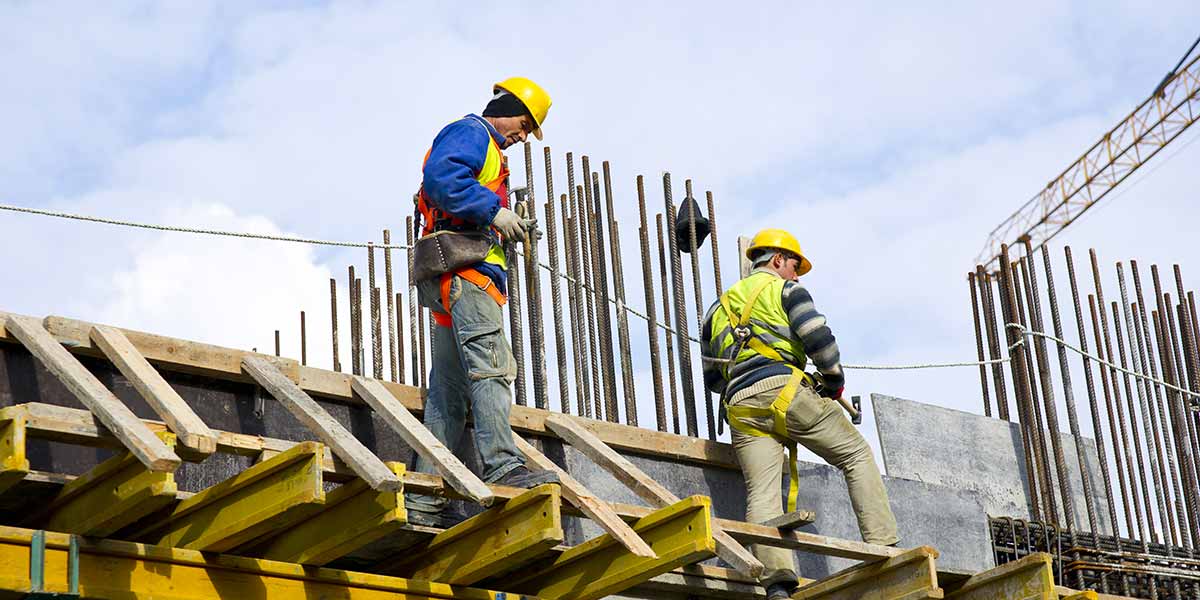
[
  {"x": 500, "y": 540},
  {"x": 113, "y": 570},
  {"x": 267, "y": 497},
  {"x": 645, "y": 487},
  {"x": 421, "y": 440},
  {"x": 13, "y": 463},
  {"x": 909, "y": 576},
  {"x": 307, "y": 411},
  {"x": 1028, "y": 578},
  {"x": 116, "y": 416},
  {"x": 159, "y": 394},
  {"x": 680, "y": 534}
]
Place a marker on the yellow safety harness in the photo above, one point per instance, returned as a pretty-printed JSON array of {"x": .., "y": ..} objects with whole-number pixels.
[{"x": 736, "y": 415}]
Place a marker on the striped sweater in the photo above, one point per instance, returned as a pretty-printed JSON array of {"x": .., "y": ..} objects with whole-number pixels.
[{"x": 805, "y": 324}]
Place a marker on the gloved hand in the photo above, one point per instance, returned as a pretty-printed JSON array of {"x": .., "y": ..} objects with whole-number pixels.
[{"x": 511, "y": 226}]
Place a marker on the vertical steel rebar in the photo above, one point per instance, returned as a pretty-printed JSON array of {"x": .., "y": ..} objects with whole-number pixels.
[
  {"x": 358, "y": 310},
  {"x": 1183, "y": 433},
  {"x": 1179, "y": 474},
  {"x": 1120, "y": 452},
  {"x": 989, "y": 318},
  {"x": 585, "y": 349},
  {"x": 399, "y": 338},
  {"x": 533, "y": 289},
  {"x": 333, "y": 323},
  {"x": 412, "y": 305},
  {"x": 1194, "y": 354},
  {"x": 1147, "y": 534},
  {"x": 1162, "y": 429},
  {"x": 391, "y": 306},
  {"x": 373, "y": 299},
  {"x": 590, "y": 301},
  {"x": 303, "y": 340},
  {"x": 577, "y": 321},
  {"x": 277, "y": 343},
  {"x": 662, "y": 265},
  {"x": 516, "y": 330},
  {"x": 987, "y": 400},
  {"x": 681, "y": 328},
  {"x": 1034, "y": 410},
  {"x": 1154, "y": 402},
  {"x": 631, "y": 416},
  {"x": 354, "y": 324},
  {"x": 712, "y": 235},
  {"x": 560, "y": 343},
  {"x": 660, "y": 411},
  {"x": 1017, "y": 362},
  {"x": 1191, "y": 360},
  {"x": 710, "y": 418},
  {"x": 600, "y": 280},
  {"x": 1093, "y": 405}
]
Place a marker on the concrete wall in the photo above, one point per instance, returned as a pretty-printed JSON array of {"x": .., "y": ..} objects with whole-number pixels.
[{"x": 971, "y": 452}]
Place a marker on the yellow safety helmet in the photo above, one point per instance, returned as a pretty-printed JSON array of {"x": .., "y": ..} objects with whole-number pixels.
[
  {"x": 778, "y": 239},
  {"x": 531, "y": 95}
]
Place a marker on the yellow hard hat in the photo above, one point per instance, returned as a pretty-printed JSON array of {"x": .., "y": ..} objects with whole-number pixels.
[
  {"x": 779, "y": 239},
  {"x": 531, "y": 95}
]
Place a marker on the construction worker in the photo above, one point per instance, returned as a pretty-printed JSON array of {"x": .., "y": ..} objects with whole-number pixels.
[
  {"x": 756, "y": 340},
  {"x": 464, "y": 189}
]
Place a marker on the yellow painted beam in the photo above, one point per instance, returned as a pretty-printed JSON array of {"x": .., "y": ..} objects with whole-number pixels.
[
  {"x": 112, "y": 570},
  {"x": 1029, "y": 578},
  {"x": 499, "y": 540},
  {"x": 114, "y": 494},
  {"x": 680, "y": 534},
  {"x": 910, "y": 576},
  {"x": 353, "y": 516},
  {"x": 13, "y": 462},
  {"x": 1074, "y": 595},
  {"x": 268, "y": 497}
]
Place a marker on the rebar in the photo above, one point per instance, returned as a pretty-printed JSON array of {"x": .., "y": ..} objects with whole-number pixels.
[
  {"x": 577, "y": 321},
  {"x": 1093, "y": 404},
  {"x": 1020, "y": 383},
  {"x": 391, "y": 307},
  {"x": 333, "y": 323},
  {"x": 277, "y": 342},
  {"x": 587, "y": 290},
  {"x": 681, "y": 326},
  {"x": 560, "y": 344},
  {"x": 1146, "y": 358},
  {"x": 533, "y": 287},
  {"x": 660, "y": 411},
  {"x": 662, "y": 265},
  {"x": 516, "y": 330},
  {"x": 1119, "y": 452},
  {"x": 1183, "y": 432},
  {"x": 354, "y": 324},
  {"x": 1187, "y": 330},
  {"x": 412, "y": 305},
  {"x": 1146, "y": 533},
  {"x": 989, "y": 313},
  {"x": 710, "y": 418},
  {"x": 1036, "y": 421},
  {"x": 631, "y": 416},
  {"x": 1179, "y": 475},
  {"x": 399, "y": 338},
  {"x": 1174, "y": 491},
  {"x": 600, "y": 281},
  {"x": 987, "y": 400},
  {"x": 373, "y": 299},
  {"x": 712, "y": 235},
  {"x": 303, "y": 340}
]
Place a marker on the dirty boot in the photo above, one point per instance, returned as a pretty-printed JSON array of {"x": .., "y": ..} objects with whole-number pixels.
[{"x": 522, "y": 477}]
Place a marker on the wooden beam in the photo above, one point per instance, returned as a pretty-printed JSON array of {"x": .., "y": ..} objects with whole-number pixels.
[
  {"x": 700, "y": 581},
  {"x": 307, "y": 411},
  {"x": 266, "y": 497},
  {"x": 155, "y": 390},
  {"x": 1028, "y": 578},
  {"x": 14, "y": 464},
  {"x": 680, "y": 534},
  {"x": 112, "y": 570},
  {"x": 114, "y": 494},
  {"x": 116, "y": 416},
  {"x": 645, "y": 486},
  {"x": 910, "y": 576},
  {"x": 583, "y": 499},
  {"x": 500, "y": 540},
  {"x": 352, "y": 517},
  {"x": 422, "y": 441},
  {"x": 792, "y": 520}
]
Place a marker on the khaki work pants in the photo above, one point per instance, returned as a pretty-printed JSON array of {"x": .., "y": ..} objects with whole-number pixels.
[{"x": 820, "y": 425}]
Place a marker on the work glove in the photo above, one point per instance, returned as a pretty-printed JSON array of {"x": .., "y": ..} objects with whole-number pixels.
[{"x": 510, "y": 225}]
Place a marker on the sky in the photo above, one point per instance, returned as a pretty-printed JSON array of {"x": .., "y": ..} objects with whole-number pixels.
[{"x": 890, "y": 138}]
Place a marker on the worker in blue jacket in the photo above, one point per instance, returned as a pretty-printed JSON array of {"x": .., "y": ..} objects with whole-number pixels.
[{"x": 465, "y": 188}]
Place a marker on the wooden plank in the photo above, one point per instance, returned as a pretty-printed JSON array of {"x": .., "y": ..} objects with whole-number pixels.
[
  {"x": 792, "y": 520},
  {"x": 1028, "y": 578},
  {"x": 112, "y": 569},
  {"x": 307, "y": 411},
  {"x": 583, "y": 499},
  {"x": 499, "y": 540},
  {"x": 155, "y": 390},
  {"x": 645, "y": 486},
  {"x": 264, "y": 498},
  {"x": 680, "y": 534},
  {"x": 910, "y": 576},
  {"x": 113, "y": 495},
  {"x": 700, "y": 580},
  {"x": 14, "y": 464},
  {"x": 116, "y": 416},
  {"x": 422, "y": 440},
  {"x": 352, "y": 517}
]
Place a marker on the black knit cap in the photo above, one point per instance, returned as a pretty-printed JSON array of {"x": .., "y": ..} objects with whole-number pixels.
[{"x": 505, "y": 104}]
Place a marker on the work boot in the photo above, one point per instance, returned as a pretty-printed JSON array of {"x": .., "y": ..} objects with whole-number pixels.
[
  {"x": 781, "y": 590},
  {"x": 522, "y": 477}
]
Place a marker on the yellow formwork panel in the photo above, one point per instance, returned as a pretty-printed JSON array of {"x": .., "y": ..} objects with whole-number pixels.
[
  {"x": 353, "y": 516},
  {"x": 13, "y": 462},
  {"x": 680, "y": 534},
  {"x": 1029, "y": 578},
  {"x": 270, "y": 496},
  {"x": 910, "y": 576},
  {"x": 112, "y": 570},
  {"x": 114, "y": 494},
  {"x": 499, "y": 540}
]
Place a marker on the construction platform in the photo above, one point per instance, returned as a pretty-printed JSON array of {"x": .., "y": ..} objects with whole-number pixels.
[{"x": 139, "y": 466}]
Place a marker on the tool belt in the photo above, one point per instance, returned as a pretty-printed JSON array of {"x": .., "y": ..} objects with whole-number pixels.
[
  {"x": 473, "y": 276},
  {"x": 445, "y": 252},
  {"x": 736, "y": 416}
]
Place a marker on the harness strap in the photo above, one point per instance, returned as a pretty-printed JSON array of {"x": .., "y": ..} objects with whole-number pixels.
[
  {"x": 778, "y": 413},
  {"x": 480, "y": 280}
]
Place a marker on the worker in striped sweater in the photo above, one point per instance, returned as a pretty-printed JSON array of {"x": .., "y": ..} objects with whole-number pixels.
[{"x": 756, "y": 341}]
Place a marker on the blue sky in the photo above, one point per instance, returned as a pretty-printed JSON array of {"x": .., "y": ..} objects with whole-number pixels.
[{"x": 890, "y": 138}]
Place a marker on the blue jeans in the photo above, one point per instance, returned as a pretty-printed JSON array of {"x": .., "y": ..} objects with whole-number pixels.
[{"x": 473, "y": 369}]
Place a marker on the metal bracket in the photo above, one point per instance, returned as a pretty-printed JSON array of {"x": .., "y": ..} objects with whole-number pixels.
[
  {"x": 37, "y": 568},
  {"x": 259, "y": 403}
]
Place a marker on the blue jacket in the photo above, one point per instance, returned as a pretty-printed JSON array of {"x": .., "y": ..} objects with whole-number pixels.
[{"x": 455, "y": 160}]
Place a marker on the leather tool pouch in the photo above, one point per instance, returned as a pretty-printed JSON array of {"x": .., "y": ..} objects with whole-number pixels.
[{"x": 448, "y": 251}]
